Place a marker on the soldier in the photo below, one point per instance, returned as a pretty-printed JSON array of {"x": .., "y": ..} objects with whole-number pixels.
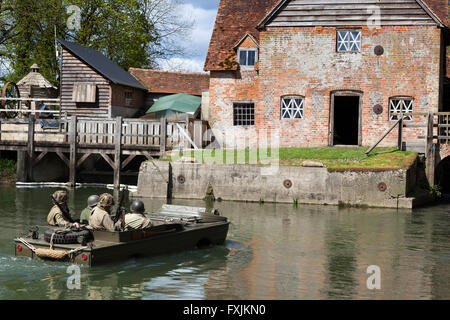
[
  {"x": 56, "y": 217},
  {"x": 86, "y": 213},
  {"x": 100, "y": 217},
  {"x": 137, "y": 219}
]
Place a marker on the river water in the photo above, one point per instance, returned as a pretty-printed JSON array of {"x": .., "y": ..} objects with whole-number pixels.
[{"x": 272, "y": 252}]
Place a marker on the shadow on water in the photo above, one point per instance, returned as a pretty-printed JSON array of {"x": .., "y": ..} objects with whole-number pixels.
[{"x": 341, "y": 245}]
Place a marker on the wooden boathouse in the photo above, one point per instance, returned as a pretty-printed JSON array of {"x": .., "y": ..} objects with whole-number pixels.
[
  {"x": 92, "y": 85},
  {"x": 96, "y": 115}
]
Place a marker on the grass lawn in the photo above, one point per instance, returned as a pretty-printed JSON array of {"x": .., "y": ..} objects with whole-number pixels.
[{"x": 334, "y": 158}]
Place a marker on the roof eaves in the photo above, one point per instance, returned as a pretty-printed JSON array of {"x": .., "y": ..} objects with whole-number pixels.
[
  {"x": 139, "y": 85},
  {"x": 431, "y": 13},
  {"x": 247, "y": 35},
  {"x": 271, "y": 14}
]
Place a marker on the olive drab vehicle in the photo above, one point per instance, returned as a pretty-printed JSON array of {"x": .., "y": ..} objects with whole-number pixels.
[{"x": 174, "y": 228}]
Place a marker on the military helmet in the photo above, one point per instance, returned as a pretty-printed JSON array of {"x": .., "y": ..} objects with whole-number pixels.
[
  {"x": 60, "y": 196},
  {"x": 137, "y": 206},
  {"x": 92, "y": 200},
  {"x": 105, "y": 200}
]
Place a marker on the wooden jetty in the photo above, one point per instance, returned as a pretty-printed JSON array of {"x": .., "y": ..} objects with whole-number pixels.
[{"x": 77, "y": 138}]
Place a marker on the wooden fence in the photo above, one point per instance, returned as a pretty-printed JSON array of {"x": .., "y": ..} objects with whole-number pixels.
[{"x": 81, "y": 137}]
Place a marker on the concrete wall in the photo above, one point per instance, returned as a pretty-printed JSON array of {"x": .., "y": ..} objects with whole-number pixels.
[{"x": 246, "y": 183}]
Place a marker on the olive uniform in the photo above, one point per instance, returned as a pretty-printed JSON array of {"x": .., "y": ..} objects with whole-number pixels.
[
  {"x": 137, "y": 219},
  {"x": 55, "y": 216},
  {"x": 86, "y": 213},
  {"x": 100, "y": 218}
]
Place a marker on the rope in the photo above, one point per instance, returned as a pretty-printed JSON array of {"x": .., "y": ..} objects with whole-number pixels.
[{"x": 51, "y": 253}]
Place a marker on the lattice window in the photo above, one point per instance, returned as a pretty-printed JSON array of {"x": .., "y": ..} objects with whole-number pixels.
[
  {"x": 349, "y": 41},
  {"x": 243, "y": 114},
  {"x": 400, "y": 105},
  {"x": 292, "y": 107}
]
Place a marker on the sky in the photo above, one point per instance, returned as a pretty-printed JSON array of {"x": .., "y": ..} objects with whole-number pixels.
[{"x": 203, "y": 13}]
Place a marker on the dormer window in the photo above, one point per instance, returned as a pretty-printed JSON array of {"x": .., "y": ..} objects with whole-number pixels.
[
  {"x": 247, "y": 57},
  {"x": 247, "y": 52}
]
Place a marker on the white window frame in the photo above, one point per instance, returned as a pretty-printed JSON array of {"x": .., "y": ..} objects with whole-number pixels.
[
  {"x": 401, "y": 105},
  {"x": 247, "y": 49},
  {"x": 292, "y": 107},
  {"x": 347, "y": 41}
]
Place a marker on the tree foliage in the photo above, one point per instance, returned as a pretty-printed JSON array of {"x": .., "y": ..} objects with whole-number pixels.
[{"x": 132, "y": 33}]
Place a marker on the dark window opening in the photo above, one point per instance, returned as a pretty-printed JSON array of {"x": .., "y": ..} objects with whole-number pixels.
[
  {"x": 446, "y": 107},
  {"x": 243, "y": 114},
  {"x": 346, "y": 120},
  {"x": 442, "y": 174}
]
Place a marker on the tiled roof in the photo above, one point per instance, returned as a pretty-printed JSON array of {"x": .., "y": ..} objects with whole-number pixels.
[
  {"x": 235, "y": 18},
  {"x": 159, "y": 81},
  {"x": 439, "y": 8}
]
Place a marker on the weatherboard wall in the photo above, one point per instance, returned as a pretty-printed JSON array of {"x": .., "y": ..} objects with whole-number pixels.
[
  {"x": 304, "y": 13},
  {"x": 74, "y": 71}
]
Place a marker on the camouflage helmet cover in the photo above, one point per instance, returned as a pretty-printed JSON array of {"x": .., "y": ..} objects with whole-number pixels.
[
  {"x": 60, "y": 196},
  {"x": 105, "y": 200}
]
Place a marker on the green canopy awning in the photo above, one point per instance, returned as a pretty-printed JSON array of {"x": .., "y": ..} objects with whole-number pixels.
[{"x": 180, "y": 102}]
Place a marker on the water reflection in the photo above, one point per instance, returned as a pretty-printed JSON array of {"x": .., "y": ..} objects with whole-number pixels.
[{"x": 272, "y": 252}]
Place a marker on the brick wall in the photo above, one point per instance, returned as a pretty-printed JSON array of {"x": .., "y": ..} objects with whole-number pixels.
[{"x": 304, "y": 61}]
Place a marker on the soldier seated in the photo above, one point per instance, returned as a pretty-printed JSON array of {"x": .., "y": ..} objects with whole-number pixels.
[
  {"x": 136, "y": 219},
  {"x": 86, "y": 213},
  {"x": 56, "y": 217},
  {"x": 100, "y": 218}
]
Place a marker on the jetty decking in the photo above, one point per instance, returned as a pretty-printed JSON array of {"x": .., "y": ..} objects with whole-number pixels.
[{"x": 75, "y": 139}]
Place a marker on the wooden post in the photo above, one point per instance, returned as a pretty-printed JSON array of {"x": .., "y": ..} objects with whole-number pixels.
[
  {"x": 430, "y": 151},
  {"x": 117, "y": 152},
  {"x": 400, "y": 134},
  {"x": 187, "y": 143},
  {"x": 198, "y": 133},
  {"x": 31, "y": 123},
  {"x": 163, "y": 137},
  {"x": 73, "y": 150}
]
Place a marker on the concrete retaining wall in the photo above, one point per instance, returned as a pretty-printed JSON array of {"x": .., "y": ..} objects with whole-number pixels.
[{"x": 309, "y": 185}]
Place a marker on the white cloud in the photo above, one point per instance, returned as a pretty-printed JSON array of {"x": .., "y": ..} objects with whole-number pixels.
[
  {"x": 197, "y": 43},
  {"x": 182, "y": 64}
]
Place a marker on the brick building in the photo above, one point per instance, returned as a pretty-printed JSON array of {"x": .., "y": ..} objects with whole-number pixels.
[{"x": 324, "y": 73}]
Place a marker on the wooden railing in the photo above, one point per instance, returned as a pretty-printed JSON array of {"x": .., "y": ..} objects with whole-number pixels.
[
  {"x": 435, "y": 127},
  {"x": 93, "y": 132}
]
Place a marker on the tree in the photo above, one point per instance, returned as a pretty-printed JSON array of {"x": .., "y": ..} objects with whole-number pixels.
[
  {"x": 6, "y": 33},
  {"x": 132, "y": 33}
]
